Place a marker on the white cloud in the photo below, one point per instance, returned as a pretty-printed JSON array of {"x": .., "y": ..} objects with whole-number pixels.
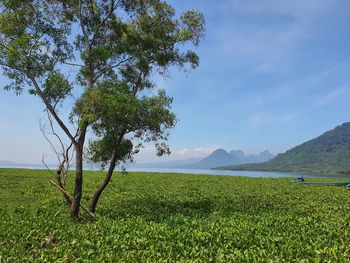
[
  {"x": 182, "y": 152},
  {"x": 148, "y": 155},
  {"x": 332, "y": 97}
]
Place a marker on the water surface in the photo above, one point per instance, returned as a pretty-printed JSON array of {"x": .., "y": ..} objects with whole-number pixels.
[{"x": 255, "y": 174}]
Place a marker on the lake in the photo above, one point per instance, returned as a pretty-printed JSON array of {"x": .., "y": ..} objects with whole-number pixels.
[
  {"x": 256, "y": 174},
  {"x": 204, "y": 171}
]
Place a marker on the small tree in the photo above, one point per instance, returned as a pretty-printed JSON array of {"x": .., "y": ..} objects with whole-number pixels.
[
  {"x": 120, "y": 119},
  {"x": 116, "y": 47}
]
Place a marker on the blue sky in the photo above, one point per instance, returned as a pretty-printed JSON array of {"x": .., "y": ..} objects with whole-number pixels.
[{"x": 273, "y": 74}]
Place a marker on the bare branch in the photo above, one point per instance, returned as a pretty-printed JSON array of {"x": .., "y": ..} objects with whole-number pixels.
[
  {"x": 47, "y": 167},
  {"x": 53, "y": 148},
  {"x": 71, "y": 197},
  {"x": 63, "y": 156},
  {"x": 53, "y": 130}
]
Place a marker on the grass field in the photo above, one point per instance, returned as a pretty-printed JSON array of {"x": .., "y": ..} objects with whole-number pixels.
[{"x": 175, "y": 218}]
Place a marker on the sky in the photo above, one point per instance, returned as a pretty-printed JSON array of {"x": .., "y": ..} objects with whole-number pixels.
[{"x": 273, "y": 74}]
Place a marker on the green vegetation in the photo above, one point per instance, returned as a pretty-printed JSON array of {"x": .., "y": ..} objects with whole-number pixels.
[
  {"x": 175, "y": 217},
  {"x": 328, "y": 153}
]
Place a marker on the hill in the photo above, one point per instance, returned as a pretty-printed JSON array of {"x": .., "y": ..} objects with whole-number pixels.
[
  {"x": 329, "y": 152},
  {"x": 221, "y": 158},
  {"x": 252, "y": 158},
  {"x": 9, "y": 163},
  {"x": 216, "y": 157}
]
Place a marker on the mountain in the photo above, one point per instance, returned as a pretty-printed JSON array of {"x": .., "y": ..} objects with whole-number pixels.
[
  {"x": 238, "y": 154},
  {"x": 329, "y": 152},
  {"x": 252, "y": 158},
  {"x": 266, "y": 156},
  {"x": 217, "y": 158},
  {"x": 15, "y": 164},
  {"x": 2, "y": 162}
]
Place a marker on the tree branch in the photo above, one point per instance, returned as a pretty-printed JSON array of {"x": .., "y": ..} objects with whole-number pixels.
[
  {"x": 50, "y": 143},
  {"x": 110, "y": 13},
  {"x": 71, "y": 197},
  {"x": 86, "y": 37},
  {"x": 74, "y": 64},
  {"x": 51, "y": 109},
  {"x": 111, "y": 68}
]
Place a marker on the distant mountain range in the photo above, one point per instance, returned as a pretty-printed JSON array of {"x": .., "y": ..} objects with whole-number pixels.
[
  {"x": 217, "y": 158},
  {"x": 14, "y": 164},
  {"x": 7, "y": 163},
  {"x": 18, "y": 165},
  {"x": 10, "y": 164},
  {"x": 327, "y": 153}
]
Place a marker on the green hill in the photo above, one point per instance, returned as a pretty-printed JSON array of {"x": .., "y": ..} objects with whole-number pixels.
[{"x": 329, "y": 152}]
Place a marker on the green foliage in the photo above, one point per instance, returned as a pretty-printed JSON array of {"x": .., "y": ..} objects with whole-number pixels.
[
  {"x": 175, "y": 218},
  {"x": 328, "y": 153},
  {"x": 33, "y": 40},
  {"x": 100, "y": 151},
  {"x": 56, "y": 88},
  {"x": 115, "y": 111}
]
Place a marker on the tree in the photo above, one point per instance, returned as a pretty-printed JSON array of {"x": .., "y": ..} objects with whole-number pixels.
[{"x": 116, "y": 47}]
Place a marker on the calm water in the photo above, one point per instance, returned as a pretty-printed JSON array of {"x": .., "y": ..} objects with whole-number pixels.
[
  {"x": 236, "y": 173},
  {"x": 204, "y": 171}
]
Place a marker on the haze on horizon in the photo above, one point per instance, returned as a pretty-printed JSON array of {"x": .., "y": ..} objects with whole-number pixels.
[{"x": 273, "y": 74}]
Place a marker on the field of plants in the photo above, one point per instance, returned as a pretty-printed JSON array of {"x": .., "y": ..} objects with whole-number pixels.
[{"x": 153, "y": 217}]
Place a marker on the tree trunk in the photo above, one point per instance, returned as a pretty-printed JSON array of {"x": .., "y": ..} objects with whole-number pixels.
[
  {"x": 59, "y": 181},
  {"x": 94, "y": 199},
  {"x": 78, "y": 188}
]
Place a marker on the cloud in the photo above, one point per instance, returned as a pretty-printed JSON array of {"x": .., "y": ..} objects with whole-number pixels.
[
  {"x": 192, "y": 153},
  {"x": 266, "y": 118},
  {"x": 298, "y": 8},
  {"x": 269, "y": 46},
  {"x": 148, "y": 154},
  {"x": 332, "y": 97},
  {"x": 182, "y": 152}
]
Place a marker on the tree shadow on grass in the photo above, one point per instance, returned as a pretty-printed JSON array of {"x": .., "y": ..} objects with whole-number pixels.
[{"x": 157, "y": 210}]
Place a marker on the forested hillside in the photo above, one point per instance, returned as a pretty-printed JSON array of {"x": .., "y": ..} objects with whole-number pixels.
[{"x": 329, "y": 152}]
